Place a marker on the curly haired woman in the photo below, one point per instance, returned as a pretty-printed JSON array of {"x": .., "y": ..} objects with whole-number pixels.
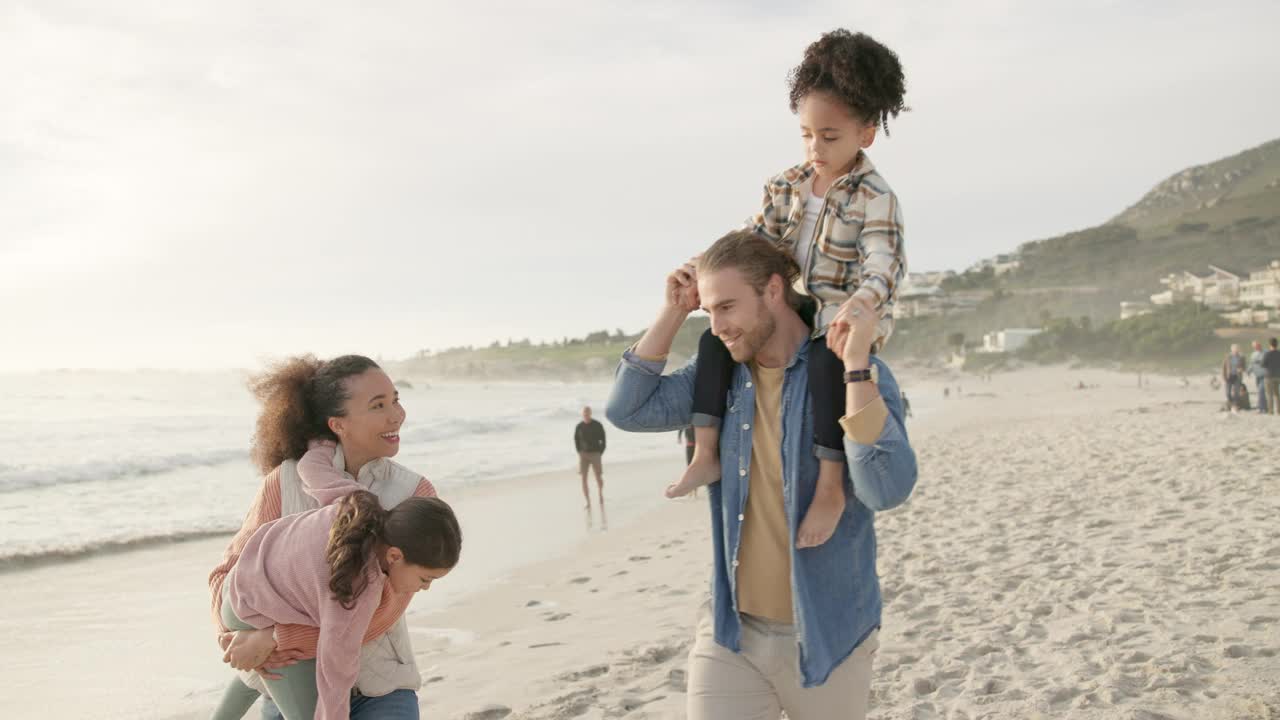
[{"x": 352, "y": 407}]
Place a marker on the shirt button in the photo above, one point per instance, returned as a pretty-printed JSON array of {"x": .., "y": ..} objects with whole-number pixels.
[
  {"x": 742, "y": 472},
  {"x": 748, "y": 383},
  {"x": 741, "y": 518},
  {"x": 735, "y": 563},
  {"x": 746, "y": 426}
]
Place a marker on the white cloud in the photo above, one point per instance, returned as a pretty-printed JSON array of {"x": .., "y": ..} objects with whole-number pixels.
[{"x": 196, "y": 184}]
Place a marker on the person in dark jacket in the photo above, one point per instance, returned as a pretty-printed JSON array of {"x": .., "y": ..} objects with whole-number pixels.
[
  {"x": 588, "y": 440},
  {"x": 1271, "y": 370}
]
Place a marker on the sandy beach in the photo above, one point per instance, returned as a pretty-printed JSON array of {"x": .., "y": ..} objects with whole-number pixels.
[{"x": 1107, "y": 552}]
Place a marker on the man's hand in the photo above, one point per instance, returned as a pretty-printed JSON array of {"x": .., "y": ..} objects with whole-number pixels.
[
  {"x": 682, "y": 287},
  {"x": 853, "y": 331},
  {"x": 250, "y": 648},
  {"x": 679, "y": 299}
]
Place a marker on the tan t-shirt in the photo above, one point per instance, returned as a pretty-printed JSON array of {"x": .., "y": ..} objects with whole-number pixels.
[{"x": 764, "y": 552}]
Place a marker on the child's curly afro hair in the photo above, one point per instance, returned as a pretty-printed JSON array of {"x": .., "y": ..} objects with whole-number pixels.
[{"x": 856, "y": 70}]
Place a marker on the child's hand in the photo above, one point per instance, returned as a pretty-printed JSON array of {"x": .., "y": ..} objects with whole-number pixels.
[
  {"x": 853, "y": 331},
  {"x": 321, "y": 443}
]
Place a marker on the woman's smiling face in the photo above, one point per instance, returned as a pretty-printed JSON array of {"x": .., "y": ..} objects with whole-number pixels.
[{"x": 371, "y": 427}]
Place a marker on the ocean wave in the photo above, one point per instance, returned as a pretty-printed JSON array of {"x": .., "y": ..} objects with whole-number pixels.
[
  {"x": 26, "y": 477},
  {"x": 558, "y": 413},
  {"x": 27, "y": 559},
  {"x": 442, "y": 430}
]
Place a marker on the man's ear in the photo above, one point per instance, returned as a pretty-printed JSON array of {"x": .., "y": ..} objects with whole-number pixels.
[{"x": 775, "y": 290}]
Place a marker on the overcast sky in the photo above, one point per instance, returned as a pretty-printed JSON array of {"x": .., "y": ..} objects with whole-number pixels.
[{"x": 206, "y": 184}]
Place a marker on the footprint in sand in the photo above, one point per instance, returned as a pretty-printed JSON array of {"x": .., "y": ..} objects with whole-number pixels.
[
  {"x": 489, "y": 712},
  {"x": 590, "y": 672},
  {"x": 658, "y": 654},
  {"x": 580, "y": 580},
  {"x": 638, "y": 558},
  {"x": 923, "y": 686},
  {"x": 556, "y": 617},
  {"x": 632, "y": 703},
  {"x": 1141, "y": 714}
]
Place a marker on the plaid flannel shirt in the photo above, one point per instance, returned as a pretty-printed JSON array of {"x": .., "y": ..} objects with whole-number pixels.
[{"x": 857, "y": 248}]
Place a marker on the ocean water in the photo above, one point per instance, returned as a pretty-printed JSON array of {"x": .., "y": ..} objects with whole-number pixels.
[{"x": 96, "y": 460}]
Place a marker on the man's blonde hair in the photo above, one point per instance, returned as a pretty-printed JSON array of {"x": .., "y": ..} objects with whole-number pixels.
[{"x": 757, "y": 258}]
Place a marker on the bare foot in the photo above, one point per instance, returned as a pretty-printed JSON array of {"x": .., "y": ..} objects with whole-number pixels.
[
  {"x": 700, "y": 472},
  {"x": 822, "y": 516}
]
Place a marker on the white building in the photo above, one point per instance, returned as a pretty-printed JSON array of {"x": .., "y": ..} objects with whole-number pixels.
[
  {"x": 1219, "y": 289},
  {"x": 1134, "y": 309},
  {"x": 1262, "y": 287},
  {"x": 915, "y": 300},
  {"x": 1008, "y": 340},
  {"x": 1006, "y": 263},
  {"x": 1249, "y": 317}
]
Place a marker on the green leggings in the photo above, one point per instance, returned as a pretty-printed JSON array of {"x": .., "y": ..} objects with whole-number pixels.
[
  {"x": 236, "y": 701},
  {"x": 295, "y": 694}
]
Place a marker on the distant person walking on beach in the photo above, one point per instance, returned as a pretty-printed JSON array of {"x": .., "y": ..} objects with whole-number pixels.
[
  {"x": 1271, "y": 366},
  {"x": 352, "y": 401},
  {"x": 588, "y": 440},
  {"x": 906, "y": 405},
  {"x": 1259, "y": 374},
  {"x": 1233, "y": 374},
  {"x": 787, "y": 628}
]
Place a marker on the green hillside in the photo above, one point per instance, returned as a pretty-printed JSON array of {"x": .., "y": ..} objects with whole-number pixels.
[
  {"x": 588, "y": 358},
  {"x": 1226, "y": 184},
  {"x": 1225, "y": 213}
]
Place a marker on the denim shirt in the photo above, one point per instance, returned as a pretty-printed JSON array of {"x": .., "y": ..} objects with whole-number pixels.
[{"x": 834, "y": 587}]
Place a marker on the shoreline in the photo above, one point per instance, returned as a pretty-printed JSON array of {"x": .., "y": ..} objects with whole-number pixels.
[
  {"x": 150, "y": 606},
  {"x": 1096, "y": 553},
  {"x": 996, "y": 603}
]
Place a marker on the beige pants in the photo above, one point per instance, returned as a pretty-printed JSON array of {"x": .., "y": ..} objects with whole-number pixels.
[
  {"x": 764, "y": 680},
  {"x": 590, "y": 460}
]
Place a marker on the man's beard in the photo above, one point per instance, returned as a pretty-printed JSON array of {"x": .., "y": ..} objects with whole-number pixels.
[{"x": 754, "y": 341}]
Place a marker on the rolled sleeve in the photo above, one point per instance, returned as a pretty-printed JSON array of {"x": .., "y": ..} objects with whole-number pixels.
[
  {"x": 865, "y": 425},
  {"x": 644, "y": 400},
  {"x": 643, "y": 363},
  {"x": 882, "y": 463}
]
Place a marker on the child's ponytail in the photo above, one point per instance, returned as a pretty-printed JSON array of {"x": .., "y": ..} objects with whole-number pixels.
[{"x": 353, "y": 537}]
